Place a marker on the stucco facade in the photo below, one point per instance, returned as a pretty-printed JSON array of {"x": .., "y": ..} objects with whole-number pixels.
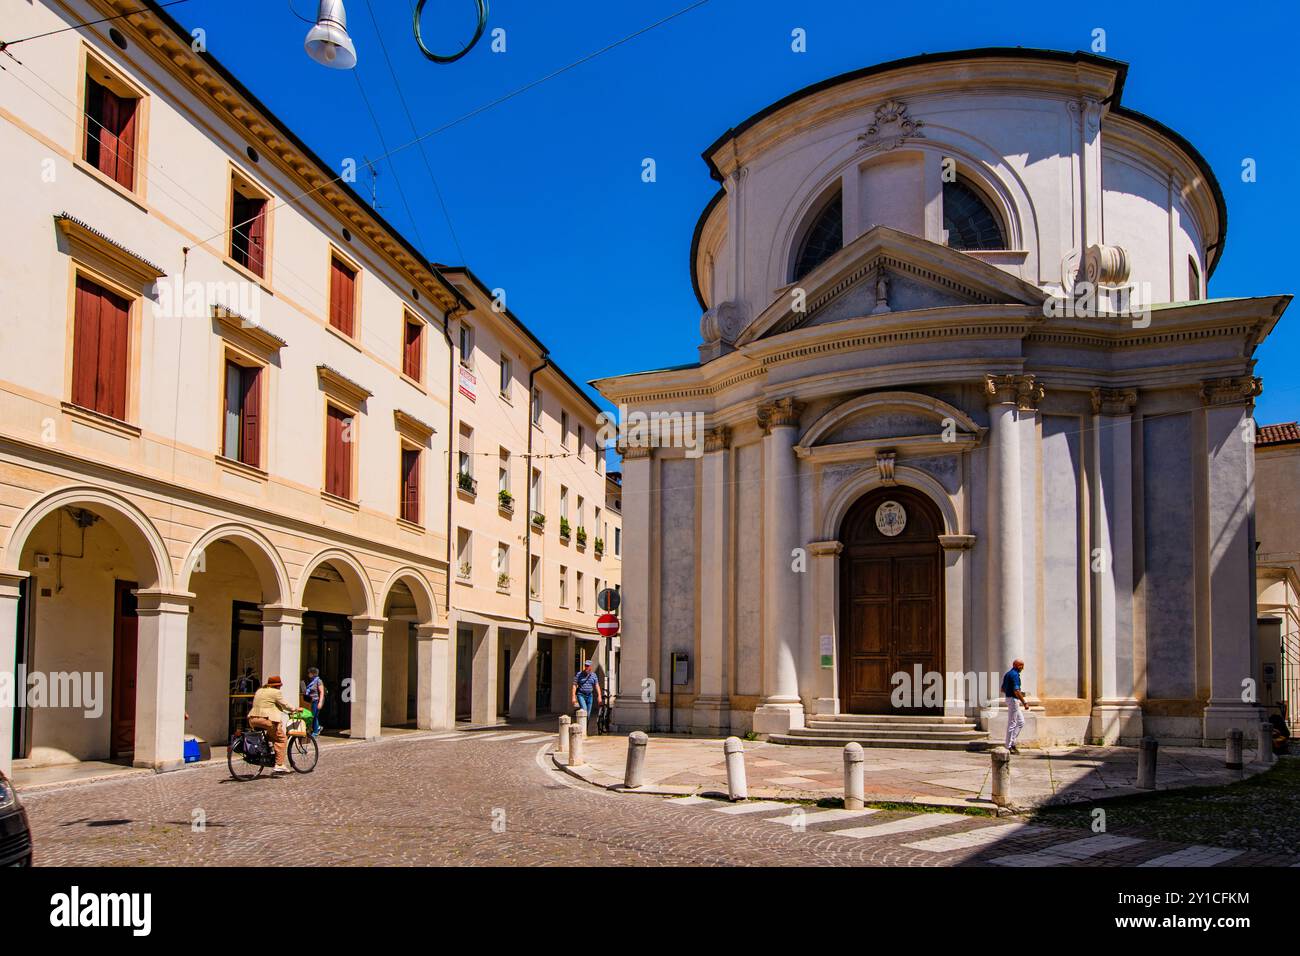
[{"x": 965, "y": 402}]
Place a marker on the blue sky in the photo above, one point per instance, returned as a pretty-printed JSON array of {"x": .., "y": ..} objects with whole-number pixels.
[{"x": 544, "y": 192}]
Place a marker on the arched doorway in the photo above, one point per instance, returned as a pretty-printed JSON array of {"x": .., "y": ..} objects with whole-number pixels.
[{"x": 891, "y": 599}]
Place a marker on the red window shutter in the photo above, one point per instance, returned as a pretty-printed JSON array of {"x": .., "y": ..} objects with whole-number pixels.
[
  {"x": 334, "y": 293},
  {"x": 114, "y": 317},
  {"x": 250, "y": 426},
  {"x": 338, "y": 455},
  {"x": 126, "y": 117},
  {"x": 85, "y": 343},
  {"x": 411, "y": 355},
  {"x": 342, "y": 296},
  {"x": 411, "y": 485},
  {"x": 256, "y": 209},
  {"x": 348, "y": 280},
  {"x": 94, "y": 121},
  {"x": 109, "y": 120}
]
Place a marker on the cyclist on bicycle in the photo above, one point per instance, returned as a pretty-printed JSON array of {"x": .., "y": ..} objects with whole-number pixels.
[
  {"x": 586, "y": 684},
  {"x": 267, "y": 714}
]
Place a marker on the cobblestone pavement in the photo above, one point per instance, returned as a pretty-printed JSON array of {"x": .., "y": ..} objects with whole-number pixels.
[{"x": 441, "y": 799}]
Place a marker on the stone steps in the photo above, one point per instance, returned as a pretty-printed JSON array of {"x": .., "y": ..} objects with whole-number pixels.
[{"x": 906, "y": 732}]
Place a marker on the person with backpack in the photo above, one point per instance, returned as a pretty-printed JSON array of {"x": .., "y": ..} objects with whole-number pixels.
[
  {"x": 314, "y": 691},
  {"x": 586, "y": 688},
  {"x": 268, "y": 715},
  {"x": 1016, "y": 704}
]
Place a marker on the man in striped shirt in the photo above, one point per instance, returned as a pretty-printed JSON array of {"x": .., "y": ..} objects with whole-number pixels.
[{"x": 586, "y": 688}]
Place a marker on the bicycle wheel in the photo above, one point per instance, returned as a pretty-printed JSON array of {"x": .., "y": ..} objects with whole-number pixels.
[
  {"x": 303, "y": 754},
  {"x": 240, "y": 768}
]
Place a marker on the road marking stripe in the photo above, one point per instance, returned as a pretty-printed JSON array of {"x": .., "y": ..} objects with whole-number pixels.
[
  {"x": 922, "y": 821},
  {"x": 1194, "y": 856},
  {"x": 687, "y": 801},
  {"x": 511, "y": 736},
  {"x": 1065, "y": 853},
  {"x": 974, "y": 838},
  {"x": 756, "y": 807},
  {"x": 814, "y": 817}
]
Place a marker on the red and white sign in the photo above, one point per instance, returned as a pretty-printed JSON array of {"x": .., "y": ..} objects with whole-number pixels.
[
  {"x": 607, "y": 624},
  {"x": 468, "y": 384}
]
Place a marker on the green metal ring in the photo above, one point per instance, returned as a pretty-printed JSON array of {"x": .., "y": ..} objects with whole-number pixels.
[{"x": 438, "y": 57}]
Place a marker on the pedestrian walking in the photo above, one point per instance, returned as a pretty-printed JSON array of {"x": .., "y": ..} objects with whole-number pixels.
[
  {"x": 315, "y": 694},
  {"x": 586, "y": 688},
  {"x": 1015, "y": 704}
]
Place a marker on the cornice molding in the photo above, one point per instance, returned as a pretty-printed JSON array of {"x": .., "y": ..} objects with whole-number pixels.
[
  {"x": 253, "y": 336},
  {"x": 412, "y": 427},
  {"x": 340, "y": 386},
  {"x": 85, "y": 241}
]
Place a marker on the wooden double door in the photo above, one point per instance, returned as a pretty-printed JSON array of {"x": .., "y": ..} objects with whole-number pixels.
[{"x": 891, "y": 600}]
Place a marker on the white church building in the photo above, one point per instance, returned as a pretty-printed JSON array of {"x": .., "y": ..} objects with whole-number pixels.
[{"x": 965, "y": 401}]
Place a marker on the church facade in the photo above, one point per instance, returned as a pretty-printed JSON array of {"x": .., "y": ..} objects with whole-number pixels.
[{"x": 964, "y": 400}]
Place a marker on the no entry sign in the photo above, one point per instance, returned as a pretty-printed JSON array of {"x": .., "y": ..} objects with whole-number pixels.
[{"x": 607, "y": 624}]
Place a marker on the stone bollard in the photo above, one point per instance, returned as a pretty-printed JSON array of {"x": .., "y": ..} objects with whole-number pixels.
[
  {"x": 634, "y": 772},
  {"x": 737, "y": 788},
  {"x": 1232, "y": 758},
  {"x": 576, "y": 735},
  {"x": 581, "y": 718},
  {"x": 855, "y": 796},
  {"x": 1148, "y": 748},
  {"x": 1265, "y": 754},
  {"x": 1001, "y": 777},
  {"x": 564, "y": 734}
]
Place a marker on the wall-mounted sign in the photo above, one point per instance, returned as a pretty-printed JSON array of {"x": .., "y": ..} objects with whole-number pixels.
[
  {"x": 468, "y": 384},
  {"x": 827, "y": 650}
]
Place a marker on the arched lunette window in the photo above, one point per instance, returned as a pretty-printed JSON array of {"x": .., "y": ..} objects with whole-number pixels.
[
  {"x": 823, "y": 239},
  {"x": 969, "y": 220}
]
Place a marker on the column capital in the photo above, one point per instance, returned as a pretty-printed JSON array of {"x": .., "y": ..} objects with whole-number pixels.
[
  {"x": 780, "y": 413},
  {"x": 11, "y": 581},
  {"x": 822, "y": 548},
  {"x": 364, "y": 625},
  {"x": 1114, "y": 401},
  {"x": 1240, "y": 390},
  {"x": 282, "y": 614},
  {"x": 717, "y": 439},
  {"x": 160, "y": 601},
  {"x": 431, "y": 632},
  {"x": 1023, "y": 391},
  {"x": 632, "y": 452},
  {"x": 956, "y": 542}
]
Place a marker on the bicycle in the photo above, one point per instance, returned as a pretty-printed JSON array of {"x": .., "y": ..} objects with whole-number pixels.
[
  {"x": 252, "y": 752},
  {"x": 604, "y": 714}
]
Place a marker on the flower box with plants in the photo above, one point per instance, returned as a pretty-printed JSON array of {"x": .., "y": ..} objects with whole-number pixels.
[
  {"x": 466, "y": 483},
  {"x": 503, "y": 582},
  {"x": 538, "y": 519},
  {"x": 599, "y": 546},
  {"x": 581, "y": 535},
  {"x": 506, "y": 500},
  {"x": 464, "y": 571},
  {"x": 564, "y": 529}
]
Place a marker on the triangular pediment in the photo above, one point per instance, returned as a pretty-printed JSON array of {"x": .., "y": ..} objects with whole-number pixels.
[{"x": 885, "y": 271}]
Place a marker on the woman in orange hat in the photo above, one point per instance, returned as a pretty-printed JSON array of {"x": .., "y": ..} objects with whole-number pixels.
[{"x": 267, "y": 713}]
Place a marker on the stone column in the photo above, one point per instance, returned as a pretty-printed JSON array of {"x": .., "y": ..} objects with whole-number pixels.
[
  {"x": 957, "y": 696},
  {"x": 825, "y": 569},
  {"x": 10, "y": 584},
  {"x": 1116, "y": 713},
  {"x": 782, "y": 708},
  {"x": 711, "y": 711},
  {"x": 635, "y": 705},
  {"x": 367, "y": 676},
  {"x": 282, "y": 646},
  {"x": 1234, "y": 647},
  {"x": 523, "y": 677},
  {"x": 487, "y": 658},
  {"x": 160, "y": 678},
  {"x": 433, "y": 706},
  {"x": 1009, "y": 396}
]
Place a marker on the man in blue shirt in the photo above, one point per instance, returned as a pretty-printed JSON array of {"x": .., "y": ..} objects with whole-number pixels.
[
  {"x": 1015, "y": 703},
  {"x": 586, "y": 687}
]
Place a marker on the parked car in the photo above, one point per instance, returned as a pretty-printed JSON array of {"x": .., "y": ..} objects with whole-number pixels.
[{"x": 15, "y": 834}]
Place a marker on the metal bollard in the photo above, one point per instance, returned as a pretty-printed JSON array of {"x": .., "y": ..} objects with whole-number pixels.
[
  {"x": 737, "y": 787},
  {"x": 1148, "y": 748},
  {"x": 634, "y": 772},
  {"x": 1232, "y": 757},
  {"x": 576, "y": 735},
  {"x": 564, "y": 734},
  {"x": 581, "y": 718},
  {"x": 1265, "y": 753},
  {"x": 1001, "y": 777},
  {"x": 855, "y": 795}
]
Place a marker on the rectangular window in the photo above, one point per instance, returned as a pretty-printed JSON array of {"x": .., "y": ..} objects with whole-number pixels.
[
  {"x": 535, "y": 576},
  {"x": 101, "y": 328},
  {"x": 248, "y": 228},
  {"x": 503, "y": 563},
  {"x": 413, "y": 349},
  {"x": 410, "y": 489},
  {"x": 338, "y": 452},
  {"x": 564, "y": 429},
  {"x": 343, "y": 296},
  {"x": 1193, "y": 280},
  {"x": 582, "y": 507},
  {"x": 242, "y": 424},
  {"x": 564, "y": 586},
  {"x": 507, "y": 375},
  {"x": 466, "y": 344},
  {"x": 111, "y": 129},
  {"x": 464, "y": 553},
  {"x": 503, "y": 477},
  {"x": 537, "y": 407},
  {"x": 535, "y": 491},
  {"x": 577, "y": 589},
  {"x": 618, "y": 542},
  {"x": 582, "y": 442},
  {"x": 564, "y": 503}
]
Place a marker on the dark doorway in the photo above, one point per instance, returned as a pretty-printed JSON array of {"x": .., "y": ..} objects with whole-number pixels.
[
  {"x": 891, "y": 599},
  {"x": 327, "y": 645},
  {"x": 22, "y": 722},
  {"x": 545, "y": 667},
  {"x": 245, "y": 660},
  {"x": 464, "y": 671},
  {"x": 126, "y": 634}
]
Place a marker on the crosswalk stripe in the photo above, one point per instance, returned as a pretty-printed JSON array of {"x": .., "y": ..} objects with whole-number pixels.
[
  {"x": 534, "y": 738},
  {"x": 974, "y": 838},
  {"x": 922, "y": 821},
  {"x": 813, "y": 818},
  {"x": 1065, "y": 853},
  {"x": 755, "y": 807},
  {"x": 446, "y": 736},
  {"x": 1194, "y": 856},
  {"x": 513, "y": 736},
  {"x": 691, "y": 801}
]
